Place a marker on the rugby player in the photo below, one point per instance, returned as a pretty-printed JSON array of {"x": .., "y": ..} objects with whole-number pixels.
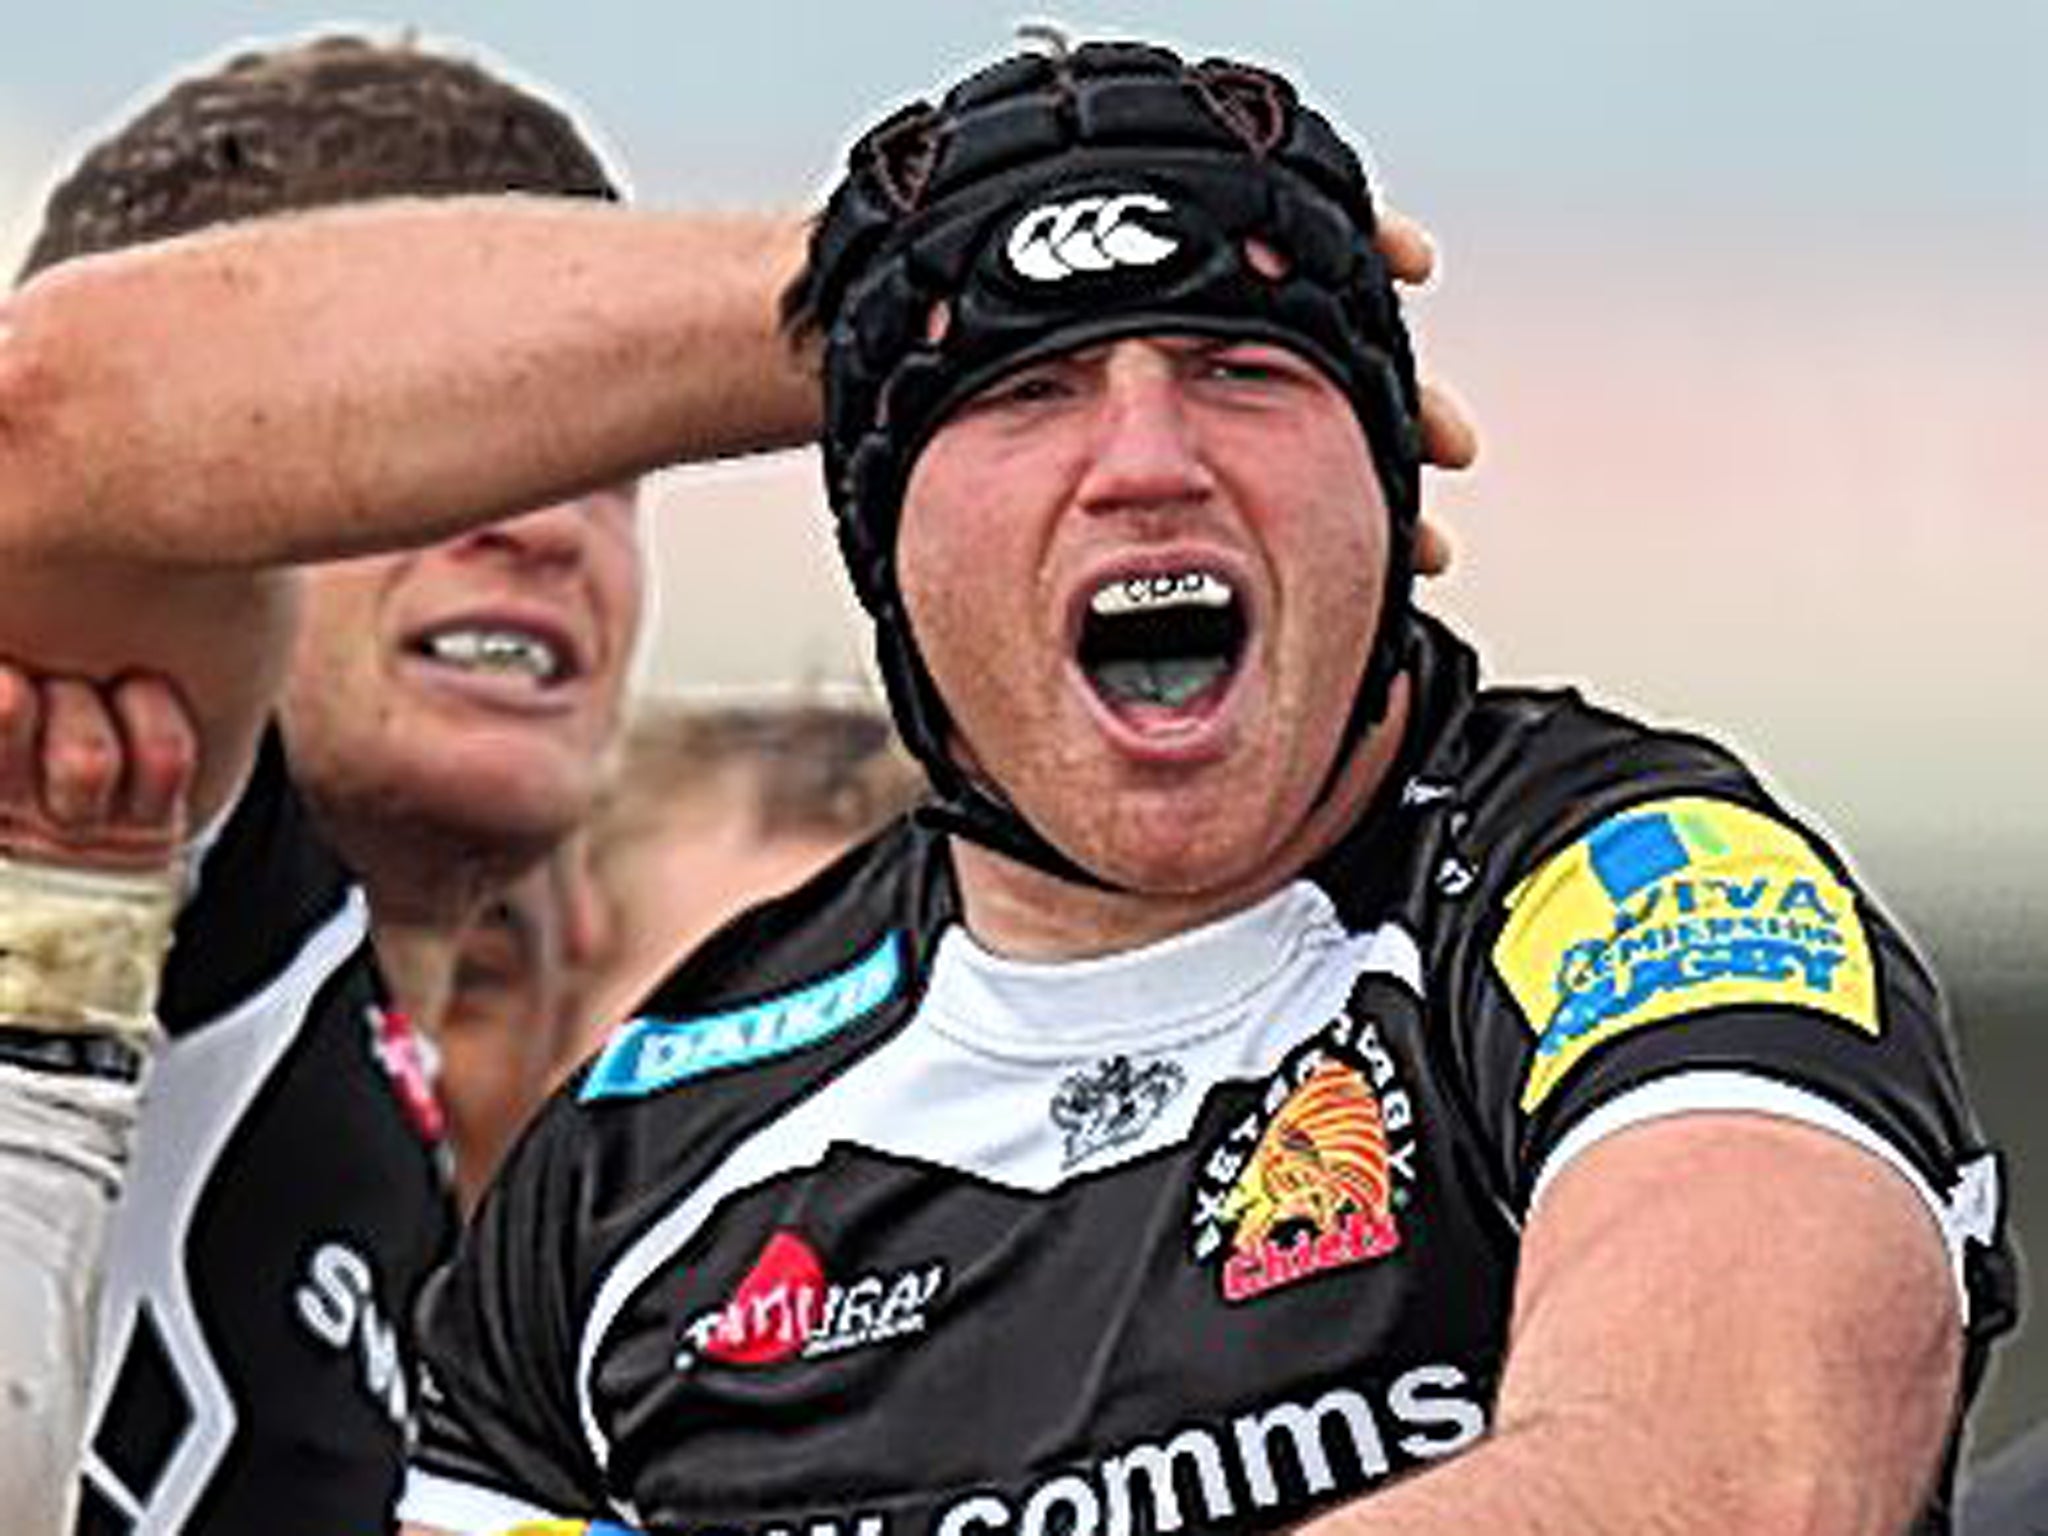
[{"x": 1284, "y": 1080}]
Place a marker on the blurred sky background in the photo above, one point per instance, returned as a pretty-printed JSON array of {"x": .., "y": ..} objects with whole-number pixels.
[{"x": 1750, "y": 299}]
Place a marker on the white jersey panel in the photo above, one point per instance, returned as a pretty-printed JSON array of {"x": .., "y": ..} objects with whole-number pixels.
[{"x": 968, "y": 1085}]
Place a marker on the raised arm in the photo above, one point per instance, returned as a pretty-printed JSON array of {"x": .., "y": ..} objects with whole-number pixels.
[{"x": 345, "y": 380}]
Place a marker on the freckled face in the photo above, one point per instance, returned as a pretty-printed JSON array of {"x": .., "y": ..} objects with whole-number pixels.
[{"x": 1145, "y": 577}]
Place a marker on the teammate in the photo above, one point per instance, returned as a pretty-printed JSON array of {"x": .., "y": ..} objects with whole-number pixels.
[
  {"x": 715, "y": 803},
  {"x": 506, "y": 1034},
  {"x": 444, "y": 714},
  {"x": 1290, "y": 1081}
]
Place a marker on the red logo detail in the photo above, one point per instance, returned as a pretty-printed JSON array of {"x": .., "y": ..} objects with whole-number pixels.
[
  {"x": 773, "y": 1310},
  {"x": 785, "y": 1308},
  {"x": 1317, "y": 1193},
  {"x": 404, "y": 1058}
]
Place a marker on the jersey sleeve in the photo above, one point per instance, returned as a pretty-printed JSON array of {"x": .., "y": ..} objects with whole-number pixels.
[
  {"x": 500, "y": 1439},
  {"x": 1702, "y": 951},
  {"x": 266, "y": 881}
]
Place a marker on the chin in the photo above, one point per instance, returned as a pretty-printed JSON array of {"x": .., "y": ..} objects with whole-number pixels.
[
  {"x": 498, "y": 801},
  {"x": 1180, "y": 855}
]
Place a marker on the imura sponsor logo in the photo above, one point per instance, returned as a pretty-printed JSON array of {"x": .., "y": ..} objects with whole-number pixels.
[
  {"x": 1312, "y": 1178},
  {"x": 785, "y": 1308}
]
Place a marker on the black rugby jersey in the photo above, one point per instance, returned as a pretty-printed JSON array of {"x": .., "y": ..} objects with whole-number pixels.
[
  {"x": 860, "y": 1230},
  {"x": 283, "y": 1205}
]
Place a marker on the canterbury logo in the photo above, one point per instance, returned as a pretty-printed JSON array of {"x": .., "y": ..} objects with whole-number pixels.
[{"x": 1090, "y": 234}]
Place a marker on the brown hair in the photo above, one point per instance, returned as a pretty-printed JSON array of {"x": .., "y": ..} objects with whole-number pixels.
[
  {"x": 331, "y": 120},
  {"x": 815, "y": 766}
]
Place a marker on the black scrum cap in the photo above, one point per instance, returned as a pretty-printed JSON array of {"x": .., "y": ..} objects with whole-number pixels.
[{"x": 1054, "y": 200}]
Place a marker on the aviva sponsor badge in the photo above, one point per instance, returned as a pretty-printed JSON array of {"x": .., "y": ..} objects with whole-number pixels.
[{"x": 1669, "y": 908}]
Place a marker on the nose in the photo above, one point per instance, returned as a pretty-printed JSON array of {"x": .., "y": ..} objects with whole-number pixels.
[
  {"x": 1146, "y": 450},
  {"x": 556, "y": 536}
]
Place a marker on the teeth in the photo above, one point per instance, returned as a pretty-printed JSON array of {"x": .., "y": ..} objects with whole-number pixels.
[
  {"x": 1147, "y": 594},
  {"x": 496, "y": 650}
]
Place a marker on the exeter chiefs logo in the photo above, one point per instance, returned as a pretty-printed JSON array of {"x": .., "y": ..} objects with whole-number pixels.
[
  {"x": 1309, "y": 1180},
  {"x": 1055, "y": 241}
]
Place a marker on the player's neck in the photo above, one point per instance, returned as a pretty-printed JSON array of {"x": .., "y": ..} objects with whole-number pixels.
[
  {"x": 419, "y": 909},
  {"x": 418, "y": 962},
  {"x": 418, "y": 870}
]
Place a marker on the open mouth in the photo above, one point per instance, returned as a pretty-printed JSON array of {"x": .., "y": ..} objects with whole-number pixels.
[
  {"x": 1162, "y": 640},
  {"x": 493, "y": 651}
]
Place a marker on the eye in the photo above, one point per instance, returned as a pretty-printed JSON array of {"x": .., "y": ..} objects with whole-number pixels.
[
  {"x": 1032, "y": 386},
  {"x": 1250, "y": 365},
  {"x": 1037, "y": 386},
  {"x": 1240, "y": 370}
]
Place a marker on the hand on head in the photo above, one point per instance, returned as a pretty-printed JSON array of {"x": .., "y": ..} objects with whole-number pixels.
[{"x": 1450, "y": 438}]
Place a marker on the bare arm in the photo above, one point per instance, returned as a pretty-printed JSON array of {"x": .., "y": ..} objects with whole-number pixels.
[
  {"x": 350, "y": 379},
  {"x": 1723, "y": 1323},
  {"x": 347, "y": 379}
]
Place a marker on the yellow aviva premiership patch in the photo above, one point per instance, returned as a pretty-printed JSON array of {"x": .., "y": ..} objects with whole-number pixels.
[{"x": 1671, "y": 907}]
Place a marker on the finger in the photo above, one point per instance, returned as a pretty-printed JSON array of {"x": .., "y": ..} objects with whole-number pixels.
[
  {"x": 1449, "y": 438},
  {"x": 19, "y": 714},
  {"x": 80, "y": 752},
  {"x": 1405, "y": 246},
  {"x": 162, "y": 748},
  {"x": 1433, "y": 548}
]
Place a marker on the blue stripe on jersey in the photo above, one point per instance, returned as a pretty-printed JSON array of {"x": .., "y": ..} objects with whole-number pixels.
[{"x": 649, "y": 1054}]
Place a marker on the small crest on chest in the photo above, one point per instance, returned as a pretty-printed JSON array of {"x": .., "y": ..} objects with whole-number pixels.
[{"x": 1111, "y": 1102}]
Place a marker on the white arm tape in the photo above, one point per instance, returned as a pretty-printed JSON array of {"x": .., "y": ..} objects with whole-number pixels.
[{"x": 82, "y": 950}]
